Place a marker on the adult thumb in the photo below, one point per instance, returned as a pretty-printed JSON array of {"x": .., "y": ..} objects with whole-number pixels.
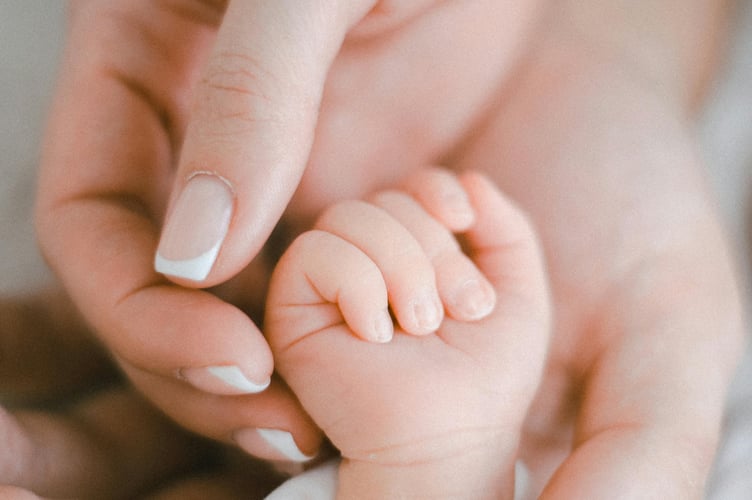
[{"x": 250, "y": 133}]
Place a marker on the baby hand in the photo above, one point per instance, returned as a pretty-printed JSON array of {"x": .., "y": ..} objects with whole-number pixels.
[{"x": 427, "y": 406}]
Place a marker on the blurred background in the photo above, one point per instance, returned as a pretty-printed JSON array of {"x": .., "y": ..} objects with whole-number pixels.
[{"x": 31, "y": 40}]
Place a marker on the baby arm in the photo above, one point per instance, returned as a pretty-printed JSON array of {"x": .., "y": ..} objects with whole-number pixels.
[{"x": 431, "y": 408}]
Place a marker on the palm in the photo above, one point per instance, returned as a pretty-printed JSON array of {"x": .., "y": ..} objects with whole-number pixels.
[
  {"x": 407, "y": 98},
  {"x": 479, "y": 377},
  {"x": 610, "y": 179}
]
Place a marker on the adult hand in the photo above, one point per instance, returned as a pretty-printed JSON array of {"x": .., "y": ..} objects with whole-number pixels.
[
  {"x": 647, "y": 313},
  {"x": 213, "y": 106},
  {"x": 124, "y": 111},
  {"x": 71, "y": 430}
]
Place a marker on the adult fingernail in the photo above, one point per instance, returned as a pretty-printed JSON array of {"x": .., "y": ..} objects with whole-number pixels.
[
  {"x": 195, "y": 228},
  {"x": 475, "y": 300},
  {"x": 428, "y": 312},
  {"x": 271, "y": 444},
  {"x": 223, "y": 380}
]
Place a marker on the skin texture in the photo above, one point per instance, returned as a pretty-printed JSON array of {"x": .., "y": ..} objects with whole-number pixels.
[
  {"x": 579, "y": 110},
  {"x": 641, "y": 307},
  {"x": 422, "y": 415},
  {"x": 170, "y": 95}
]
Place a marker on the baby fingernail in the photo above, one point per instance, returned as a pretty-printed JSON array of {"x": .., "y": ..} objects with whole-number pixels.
[
  {"x": 195, "y": 228},
  {"x": 459, "y": 205},
  {"x": 272, "y": 444},
  {"x": 383, "y": 328},
  {"x": 475, "y": 300},
  {"x": 223, "y": 380},
  {"x": 428, "y": 313}
]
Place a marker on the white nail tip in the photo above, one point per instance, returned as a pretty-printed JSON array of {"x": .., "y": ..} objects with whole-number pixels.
[
  {"x": 319, "y": 483},
  {"x": 283, "y": 442},
  {"x": 521, "y": 481},
  {"x": 231, "y": 375},
  {"x": 195, "y": 269}
]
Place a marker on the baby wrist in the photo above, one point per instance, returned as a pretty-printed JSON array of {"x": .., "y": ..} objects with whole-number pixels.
[{"x": 478, "y": 471}]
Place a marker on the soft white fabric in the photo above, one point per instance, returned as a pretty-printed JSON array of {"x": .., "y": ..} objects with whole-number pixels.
[
  {"x": 31, "y": 33},
  {"x": 320, "y": 483}
]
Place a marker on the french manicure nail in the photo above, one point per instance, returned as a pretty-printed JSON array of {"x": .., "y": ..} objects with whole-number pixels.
[
  {"x": 195, "y": 228},
  {"x": 223, "y": 380},
  {"x": 281, "y": 442}
]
